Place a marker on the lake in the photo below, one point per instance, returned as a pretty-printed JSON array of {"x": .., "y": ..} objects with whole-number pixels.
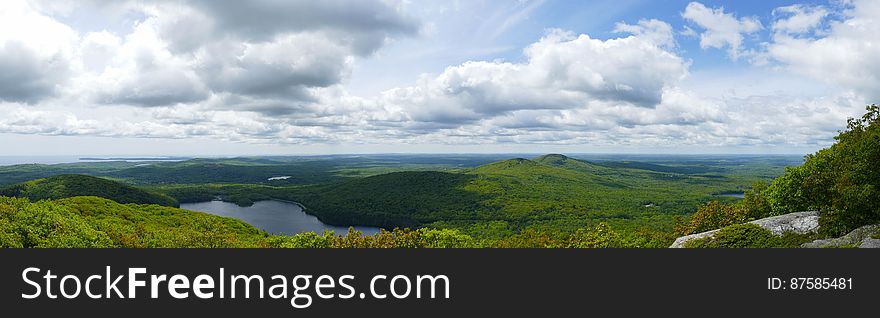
[
  {"x": 733, "y": 195},
  {"x": 274, "y": 217}
]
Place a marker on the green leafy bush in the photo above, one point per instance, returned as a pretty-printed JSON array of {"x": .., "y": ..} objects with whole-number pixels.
[
  {"x": 715, "y": 215},
  {"x": 445, "y": 238},
  {"x": 738, "y": 236},
  {"x": 303, "y": 240},
  {"x": 44, "y": 224},
  {"x": 397, "y": 238},
  {"x": 842, "y": 181},
  {"x": 602, "y": 236}
]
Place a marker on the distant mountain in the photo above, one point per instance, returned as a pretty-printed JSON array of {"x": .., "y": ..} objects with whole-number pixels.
[
  {"x": 564, "y": 162},
  {"x": 552, "y": 159},
  {"x": 600, "y": 167},
  {"x": 74, "y": 185}
]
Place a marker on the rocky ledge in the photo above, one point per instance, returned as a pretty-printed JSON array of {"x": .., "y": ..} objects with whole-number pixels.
[
  {"x": 799, "y": 223},
  {"x": 860, "y": 237},
  {"x": 803, "y": 223}
]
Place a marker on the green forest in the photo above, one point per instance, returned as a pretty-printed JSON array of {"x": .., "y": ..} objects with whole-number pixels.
[{"x": 467, "y": 201}]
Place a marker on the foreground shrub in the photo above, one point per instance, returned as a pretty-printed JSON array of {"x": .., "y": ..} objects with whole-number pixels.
[
  {"x": 600, "y": 236},
  {"x": 397, "y": 238},
  {"x": 738, "y": 236},
  {"x": 842, "y": 181},
  {"x": 44, "y": 224},
  {"x": 712, "y": 215},
  {"x": 303, "y": 240},
  {"x": 715, "y": 215},
  {"x": 98, "y": 222}
]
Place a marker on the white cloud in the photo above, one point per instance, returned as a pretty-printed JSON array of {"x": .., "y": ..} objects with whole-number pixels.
[
  {"x": 563, "y": 71},
  {"x": 847, "y": 56},
  {"x": 721, "y": 29},
  {"x": 275, "y": 53},
  {"x": 185, "y": 52},
  {"x": 35, "y": 53},
  {"x": 286, "y": 67},
  {"x": 652, "y": 30},
  {"x": 249, "y": 73},
  {"x": 798, "y": 18},
  {"x": 139, "y": 71}
]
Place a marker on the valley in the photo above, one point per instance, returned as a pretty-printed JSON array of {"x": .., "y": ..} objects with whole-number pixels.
[{"x": 494, "y": 197}]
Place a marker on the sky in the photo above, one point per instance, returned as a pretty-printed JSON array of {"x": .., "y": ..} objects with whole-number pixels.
[{"x": 269, "y": 77}]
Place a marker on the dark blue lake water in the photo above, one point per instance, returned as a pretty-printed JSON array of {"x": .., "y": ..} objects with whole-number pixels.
[
  {"x": 733, "y": 195},
  {"x": 274, "y": 217}
]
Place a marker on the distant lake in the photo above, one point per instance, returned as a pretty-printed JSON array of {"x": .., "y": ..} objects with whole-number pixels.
[
  {"x": 732, "y": 195},
  {"x": 274, "y": 217}
]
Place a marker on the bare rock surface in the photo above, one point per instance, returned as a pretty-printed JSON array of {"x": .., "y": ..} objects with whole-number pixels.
[
  {"x": 860, "y": 237},
  {"x": 798, "y": 222},
  {"x": 870, "y": 243}
]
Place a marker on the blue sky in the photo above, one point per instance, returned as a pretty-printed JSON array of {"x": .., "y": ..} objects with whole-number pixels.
[
  {"x": 304, "y": 77},
  {"x": 477, "y": 35}
]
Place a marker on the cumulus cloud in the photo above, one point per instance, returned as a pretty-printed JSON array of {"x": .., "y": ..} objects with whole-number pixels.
[
  {"x": 846, "y": 56},
  {"x": 363, "y": 24},
  {"x": 34, "y": 53},
  {"x": 275, "y": 72},
  {"x": 286, "y": 67},
  {"x": 274, "y": 52},
  {"x": 562, "y": 71},
  {"x": 721, "y": 30},
  {"x": 280, "y": 49},
  {"x": 139, "y": 71},
  {"x": 25, "y": 77}
]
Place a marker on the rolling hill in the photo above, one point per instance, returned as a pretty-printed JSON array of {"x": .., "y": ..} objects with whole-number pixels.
[
  {"x": 398, "y": 199},
  {"x": 74, "y": 185},
  {"x": 552, "y": 190}
]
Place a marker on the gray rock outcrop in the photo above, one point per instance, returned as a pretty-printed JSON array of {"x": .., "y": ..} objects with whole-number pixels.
[
  {"x": 860, "y": 237},
  {"x": 798, "y": 223},
  {"x": 870, "y": 243}
]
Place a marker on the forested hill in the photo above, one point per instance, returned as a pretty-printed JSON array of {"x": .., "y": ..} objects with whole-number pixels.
[
  {"x": 551, "y": 190},
  {"x": 73, "y": 185}
]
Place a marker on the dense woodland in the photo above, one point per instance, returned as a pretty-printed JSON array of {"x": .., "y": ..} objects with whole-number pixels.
[
  {"x": 75, "y": 185},
  {"x": 479, "y": 201}
]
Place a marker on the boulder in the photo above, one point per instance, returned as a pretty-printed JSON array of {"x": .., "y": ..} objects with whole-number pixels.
[
  {"x": 860, "y": 237},
  {"x": 798, "y": 223}
]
